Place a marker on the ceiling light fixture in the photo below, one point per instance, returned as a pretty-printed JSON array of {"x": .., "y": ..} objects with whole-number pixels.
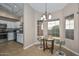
[{"x": 46, "y": 15}]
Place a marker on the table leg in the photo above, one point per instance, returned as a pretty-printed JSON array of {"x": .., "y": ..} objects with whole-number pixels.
[
  {"x": 43, "y": 45},
  {"x": 52, "y": 47},
  {"x": 40, "y": 43},
  {"x": 46, "y": 44}
]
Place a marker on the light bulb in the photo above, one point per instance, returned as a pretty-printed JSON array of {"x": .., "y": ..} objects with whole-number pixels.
[
  {"x": 44, "y": 16},
  {"x": 50, "y": 16}
]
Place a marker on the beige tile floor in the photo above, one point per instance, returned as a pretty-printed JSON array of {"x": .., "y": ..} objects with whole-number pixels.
[{"x": 12, "y": 48}]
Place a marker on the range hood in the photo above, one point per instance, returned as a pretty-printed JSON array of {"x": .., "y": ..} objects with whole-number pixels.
[
  {"x": 7, "y": 16},
  {"x": 8, "y": 19}
]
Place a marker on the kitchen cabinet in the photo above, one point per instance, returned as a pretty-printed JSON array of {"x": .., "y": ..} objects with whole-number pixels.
[
  {"x": 20, "y": 38},
  {"x": 10, "y": 36}
]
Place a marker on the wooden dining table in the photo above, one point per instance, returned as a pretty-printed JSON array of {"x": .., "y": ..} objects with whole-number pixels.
[{"x": 51, "y": 40}]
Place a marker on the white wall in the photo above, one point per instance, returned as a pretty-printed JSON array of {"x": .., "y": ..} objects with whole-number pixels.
[
  {"x": 73, "y": 44},
  {"x": 45, "y": 29},
  {"x": 68, "y": 10},
  {"x": 71, "y": 8},
  {"x": 37, "y": 17},
  {"x": 29, "y": 25}
]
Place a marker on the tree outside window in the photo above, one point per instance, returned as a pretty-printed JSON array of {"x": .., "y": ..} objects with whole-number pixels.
[{"x": 53, "y": 28}]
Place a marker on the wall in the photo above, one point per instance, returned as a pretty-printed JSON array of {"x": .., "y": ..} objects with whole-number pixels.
[
  {"x": 71, "y": 8},
  {"x": 37, "y": 17},
  {"x": 59, "y": 15},
  {"x": 68, "y": 10},
  {"x": 29, "y": 25},
  {"x": 45, "y": 29}
]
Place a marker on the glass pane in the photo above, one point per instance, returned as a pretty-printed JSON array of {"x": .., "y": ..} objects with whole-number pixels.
[
  {"x": 69, "y": 32},
  {"x": 53, "y": 28},
  {"x": 67, "y": 26},
  {"x": 67, "y": 21},
  {"x": 56, "y": 22},
  {"x": 42, "y": 26},
  {"x": 72, "y": 24},
  {"x": 50, "y": 25}
]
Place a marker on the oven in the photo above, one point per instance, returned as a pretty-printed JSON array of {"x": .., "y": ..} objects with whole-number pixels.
[{"x": 3, "y": 32}]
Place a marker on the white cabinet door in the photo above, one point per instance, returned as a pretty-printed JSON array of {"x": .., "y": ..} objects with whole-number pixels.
[
  {"x": 11, "y": 36},
  {"x": 9, "y": 25},
  {"x": 20, "y": 38}
]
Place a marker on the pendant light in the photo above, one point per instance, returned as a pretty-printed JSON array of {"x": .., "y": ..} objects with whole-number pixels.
[{"x": 46, "y": 15}]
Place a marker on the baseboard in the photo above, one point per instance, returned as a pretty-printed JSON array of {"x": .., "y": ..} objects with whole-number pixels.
[
  {"x": 56, "y": 45},
  {"x": 19, "y": 43},
  {"x": 69, "y": 50},
  {"x": 30, "y": 45}
]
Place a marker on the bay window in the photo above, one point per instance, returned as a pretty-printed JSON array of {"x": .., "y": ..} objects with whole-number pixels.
[{"x": 53, "y": 28}]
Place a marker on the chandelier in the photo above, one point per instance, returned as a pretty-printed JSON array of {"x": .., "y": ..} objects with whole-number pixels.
[{"x": 46, "y": 15}]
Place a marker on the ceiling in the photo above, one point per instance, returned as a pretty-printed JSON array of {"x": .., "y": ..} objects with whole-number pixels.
[
  {"x": 51, "y": 7},
  {"x": 14, "y": 8},
  {"x": 17, "y": 8}
]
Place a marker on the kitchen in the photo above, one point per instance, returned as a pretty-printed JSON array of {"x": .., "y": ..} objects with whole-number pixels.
[
  {"x": 12, "y": 30},
  {"x": 11, "y": 25}
]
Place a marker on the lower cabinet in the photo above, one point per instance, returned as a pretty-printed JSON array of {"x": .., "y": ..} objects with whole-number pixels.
[
  {"x": 11, "y": 36},
  {"x": 20, "y": 38}
]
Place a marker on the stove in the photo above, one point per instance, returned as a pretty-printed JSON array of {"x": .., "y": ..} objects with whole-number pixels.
[{"x": 3, "y": 32}]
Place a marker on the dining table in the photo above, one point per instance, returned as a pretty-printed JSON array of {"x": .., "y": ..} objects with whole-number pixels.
[{"x": 46, "y": 42}]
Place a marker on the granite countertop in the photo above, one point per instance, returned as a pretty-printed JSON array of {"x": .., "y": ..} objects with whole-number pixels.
[{"x": 18, "y": 30}]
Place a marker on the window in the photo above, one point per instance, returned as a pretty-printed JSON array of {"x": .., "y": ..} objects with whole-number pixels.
[
  {"x": 69, "y": 34},
  {"x": 39, "y": 28},
  {"x": 42, "y": 26},
  {"x": 53, "y": 28}
]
